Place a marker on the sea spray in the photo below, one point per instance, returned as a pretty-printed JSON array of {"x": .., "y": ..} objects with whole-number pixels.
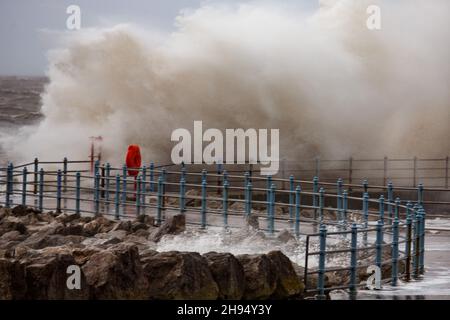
[{"x": 333, "y": 87}]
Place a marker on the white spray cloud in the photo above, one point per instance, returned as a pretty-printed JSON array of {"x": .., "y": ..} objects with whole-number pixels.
[{"x": 332, "y": 87}]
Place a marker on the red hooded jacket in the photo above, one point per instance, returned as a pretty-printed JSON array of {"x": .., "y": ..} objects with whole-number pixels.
[{"x": 133, "y": 159}]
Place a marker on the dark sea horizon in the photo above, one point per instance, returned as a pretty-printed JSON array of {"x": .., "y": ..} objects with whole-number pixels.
[{"x": 20, "y": 105}]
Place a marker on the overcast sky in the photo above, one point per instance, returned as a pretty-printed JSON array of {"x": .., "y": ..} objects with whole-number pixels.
[{"x": 24, "y": 42}]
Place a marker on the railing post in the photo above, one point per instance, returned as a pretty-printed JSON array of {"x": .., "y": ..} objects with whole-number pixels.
[
  {"x": 272, "y": 209},
  {"x": 159, "y": 209},
  {"x": 385, "y": 170},
  {"x": 182, "y": 195},
  {"x": 96, "y": 167},
  {"x": 41, "y": 190},
  {"x": 315, "y": 197},
  {"x": 102, "y": 181},
  {"x": 379, "y": 244},
  {"x": 9, "y": 183},
  {"x": 183, "y": 171},
  {"x": 394, "y": 253},
  {"x": 138, "y": 195},
  {"x": 353, "y": 252},
  {"x": 204, "y": 196},
  {"x": 345, "y": 205},
  {"x": 381, "y": 208},
  {"x": 246, "y": 179},
  {"x": 224, "y": 176},
  {"x": 107, "y": 182},
  {"x": 77, "y": 191},
  {"x": 164, "y": 176},
  {"x": 246, "y": 196},
  {"x": 397, "y": 208},
  {"x": 24, "y": 186},
  {"x": 204, "y": 175},
  {"x": 420, "y": 195},
  {"x": 422, "y": 242},
  {"x": 152, "y": 176},
  {"x": 219, "y": 172},
  {"x": 65, "y": 173},
  {"x": 390, "y": 200},
  {"x": 408, "y": 209},
  {"x": 97, "y": 192},
  {"x": 305, "y": 275},
  {"x": 117, "y": 198},
  {"x": 124, "y": 186},
  {"x": 291, "y": 200},
  {"x": 366, "y": 186},
  {"x": 416, "y": 244},
  {"x": 408, "y": 248},
  {"x": 366, "y": 216},
  {"x": 298, "y": 191},
  {"x": 321, "y": 269},
  {"x": 268, "y": 185},
  {"x": 144, "y": 182},
  {"x": 339, "y": 198},
  {"x": 321, "y": 204},
  {"x": 36, "y": 168},
  {"x": 142, "y": 194},
  {"x": 58, "y": 191},
  {"x": 225, "y": 204},
  {"x": 142, "y": 191},
  {"x": 249, "y": 199}
]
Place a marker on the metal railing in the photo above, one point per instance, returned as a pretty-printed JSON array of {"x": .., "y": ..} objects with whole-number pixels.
[
  {"x": 221, "y": 199},
  {"x": 434, "y": 172}
]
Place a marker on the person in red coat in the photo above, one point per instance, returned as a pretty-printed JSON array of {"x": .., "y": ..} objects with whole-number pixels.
[{"x": 133, "y": 161}]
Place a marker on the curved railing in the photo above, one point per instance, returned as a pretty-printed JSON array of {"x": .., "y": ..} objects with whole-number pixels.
[{"x": 387, "y": 235}]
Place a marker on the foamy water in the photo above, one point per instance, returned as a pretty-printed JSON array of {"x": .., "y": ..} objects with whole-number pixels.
[{"x": 243, "y": 241}]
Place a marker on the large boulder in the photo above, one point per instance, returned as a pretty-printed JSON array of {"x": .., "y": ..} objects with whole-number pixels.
[
  {"x": 98, "y": 225},
  {"x": 46, "y": 275},
  {"x": 260, "y": 276},
  {"x": 82, "y": 255},
  {"x": 12, "y": 280},
  {"x": 20, "y": 210},
  {"x": 4, "y": 212},
  {"x": 288, "y": 283},
  {"x": 116, "y": 273},
  {"x": 172, "y": 225},
  {"x": 68, "y": 217},
  {"x": 75, "y": 229},
  {"x": 46, "y": 238},
  {"x": 13, "y": 236},
  {"x": 28, "y": 215},
  {"x": 147, "y": 220},
  {"x": 11, "y": 223},
  {"x": 228, "y": 273},
  {"x": 179, "y": 275},
  {"x": 123, "y": 225}
]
